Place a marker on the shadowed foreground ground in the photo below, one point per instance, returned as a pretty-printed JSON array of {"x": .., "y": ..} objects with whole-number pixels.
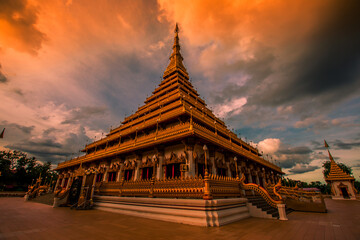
[{"x": 31, "y": 220}]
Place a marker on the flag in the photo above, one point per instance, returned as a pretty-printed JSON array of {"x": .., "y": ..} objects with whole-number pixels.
[
  {"x": 326, "y": 145},
  {"x": 2, "y": 133}
]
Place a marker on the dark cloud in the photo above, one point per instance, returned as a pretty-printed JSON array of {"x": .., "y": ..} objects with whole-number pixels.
[
  {"x": 317, "y": 145},
  {"x": 258, "y": 69},
  {"x": 337, "y": 144},
  {"x": 47, "y": 149},
  {"x": 83, "y": 113},
  {"x": 18, "y": 91},
  {"x": 295, "y": 150},
  {"x": 22, "y": 34},
  {"x": 291, "y": 156},
  {"x": 343, "y": 145},
  {"x": 23, "y": 129},
  {"x": 325, "y": 72},
  {"x": 3, "y": 78},
  {"x": 49, "y": 131},
  {"x": 356, "y": 165},
  {"x": 303, "y": 168},
  {"x": 330, "y": 64}
]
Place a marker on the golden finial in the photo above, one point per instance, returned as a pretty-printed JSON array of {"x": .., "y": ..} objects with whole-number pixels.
[{"x": 176, "y": 59}]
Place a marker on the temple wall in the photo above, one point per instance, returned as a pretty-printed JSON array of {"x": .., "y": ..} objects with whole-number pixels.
[
  {"x": 177, "y": 149},
  {"x": 147, "y": 155}
]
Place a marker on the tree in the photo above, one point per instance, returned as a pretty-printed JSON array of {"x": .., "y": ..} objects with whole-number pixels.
[
  {"x": 18, "y": 170},
  {"x": 357, "y": 185},
  {"x": 327, "y": 164}
]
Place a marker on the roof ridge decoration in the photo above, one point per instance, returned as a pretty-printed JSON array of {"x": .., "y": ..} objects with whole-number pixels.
[
  {"x": 176, "y": 59},
  {"x": 336, "y": 173}
]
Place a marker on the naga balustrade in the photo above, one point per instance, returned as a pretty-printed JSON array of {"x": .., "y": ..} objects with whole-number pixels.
[
  {"x": 295, "y": 193},
  {"x": 186, "y": 187},
  {"x": 262, "y": 192},
  {"x": 62, "y": 193},
  {"x": 37, "y": 189},
  {"x": 298, "y": 199},
  {"x": 189, "y": 187}
]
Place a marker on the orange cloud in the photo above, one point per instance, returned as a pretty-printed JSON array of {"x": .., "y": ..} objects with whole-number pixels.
[
  {"x": 229, "y": 31},
  {"x": 18, "y": 21}
]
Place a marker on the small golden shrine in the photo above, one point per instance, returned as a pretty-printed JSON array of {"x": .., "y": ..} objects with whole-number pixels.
[{"x": 342, "y": 184}]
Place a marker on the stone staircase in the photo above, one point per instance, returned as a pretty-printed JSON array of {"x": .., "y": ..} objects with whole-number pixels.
[{"x": 258, "y": 207}]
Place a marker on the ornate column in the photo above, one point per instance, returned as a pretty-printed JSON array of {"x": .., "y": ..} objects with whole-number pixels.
[
  {"x": 264, "y": 178},
  {"x": 228, "y": 169},
  {"x": 82, "y": 193},
  {"x": 191, "y": 161},
  {"x": 105, "y": 174},
  {"x": 212, "y": 160},
  {"x": 257, "y": 178},
  {"x": 137, "y": 167},
  {"x": 119, "y": 172},
  {"x": 57, "y": 183},
  {"x": 159, "y": 170},
  {"x": 239, "y": 170},
  {"x": 207, "y": 191},
  {"x": 63, "y": 181},
  {"x": 92, "y": 189},
  {"x": 68, "y": 183},
  {"x": 249, "y": 176}
]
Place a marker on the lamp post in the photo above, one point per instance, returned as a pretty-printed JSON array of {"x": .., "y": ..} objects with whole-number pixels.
[
  {"x": 205, "y": 150},
  {"x": 236, "y": 167},
  {"x": 207, "y": 192}
]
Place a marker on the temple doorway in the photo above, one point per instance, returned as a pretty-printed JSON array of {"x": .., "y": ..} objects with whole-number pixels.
[
  {"x": 221, "y": 172},
  {"x": 74, "y": 192},
  {"x": 344, "y": 192},
  {"x": 147, "y": 173},
  {"x": 111, "y": 176},
  {"x": 201, "y": 169},
  {"x": 99, "y": 177},
  {"x": 173, "y": 170},
  {"x": 128, "y": 174}
]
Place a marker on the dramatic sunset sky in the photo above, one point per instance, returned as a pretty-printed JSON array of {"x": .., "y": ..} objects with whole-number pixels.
[{"x": 284, "y": 74}]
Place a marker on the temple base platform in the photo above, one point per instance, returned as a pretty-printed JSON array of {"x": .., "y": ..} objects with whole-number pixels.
[{"x": 198, "y": 212}]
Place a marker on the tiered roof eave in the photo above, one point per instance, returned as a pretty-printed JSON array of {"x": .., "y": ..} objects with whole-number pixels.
[{"x": 336, "y": 173}]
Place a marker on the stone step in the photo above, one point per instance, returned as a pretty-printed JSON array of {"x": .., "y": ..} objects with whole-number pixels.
[{"x": 260, "y": 203}]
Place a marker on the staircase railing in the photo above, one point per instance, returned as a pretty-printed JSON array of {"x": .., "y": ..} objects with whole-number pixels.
[
  {"x": 294, "y": 192},
  {"x": 261, "y": 191},
  {"x": 61, "y": 194}
]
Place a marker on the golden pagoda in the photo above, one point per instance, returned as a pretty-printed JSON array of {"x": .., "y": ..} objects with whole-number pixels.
[
  {"x": 171, "y": 147},
  {"x": 342, "y": 184}
]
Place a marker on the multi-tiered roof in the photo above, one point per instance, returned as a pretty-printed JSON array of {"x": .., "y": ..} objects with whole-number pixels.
[
  {"x": 173, "y": 112},
  {"x": 336, "y": 173}
]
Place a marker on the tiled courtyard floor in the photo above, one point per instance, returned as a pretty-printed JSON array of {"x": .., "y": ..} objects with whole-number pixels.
[{"x": 30, "y": 220}]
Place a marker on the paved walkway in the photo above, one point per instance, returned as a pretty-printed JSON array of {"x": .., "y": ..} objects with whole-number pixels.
[{"x": 30, "y": 220}]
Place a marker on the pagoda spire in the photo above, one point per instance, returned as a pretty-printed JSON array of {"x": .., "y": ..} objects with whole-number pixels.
[
  {"x": 336, "y": 173},
  {"x": 176, "y": 60}
]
